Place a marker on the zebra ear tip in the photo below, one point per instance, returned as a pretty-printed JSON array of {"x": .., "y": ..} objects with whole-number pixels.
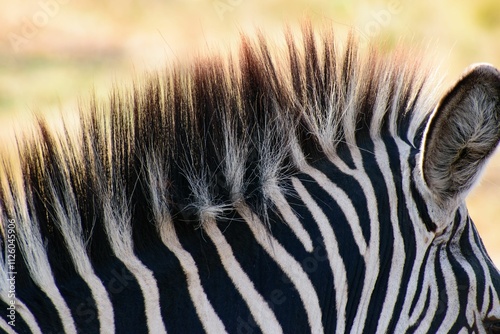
[
  {"x": 462, "y": 133},
  {"x": 482, "y": 69}
]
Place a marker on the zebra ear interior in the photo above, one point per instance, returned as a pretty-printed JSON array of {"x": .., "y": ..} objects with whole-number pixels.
[{"x": 462, "y": 133}]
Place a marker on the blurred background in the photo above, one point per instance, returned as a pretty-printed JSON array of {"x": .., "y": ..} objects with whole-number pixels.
[{"x": 54, "y": 53}]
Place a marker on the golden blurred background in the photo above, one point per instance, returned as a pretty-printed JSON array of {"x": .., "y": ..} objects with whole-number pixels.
[{"x": 54, "y": 53}]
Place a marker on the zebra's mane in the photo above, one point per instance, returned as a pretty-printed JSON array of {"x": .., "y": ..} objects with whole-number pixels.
[{"x": 197, "y": 140}]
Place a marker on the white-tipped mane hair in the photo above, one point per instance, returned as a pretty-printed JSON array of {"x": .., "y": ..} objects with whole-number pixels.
[
  {"x": 332, "y": 176},
  {"x": 191, "y": 144}
]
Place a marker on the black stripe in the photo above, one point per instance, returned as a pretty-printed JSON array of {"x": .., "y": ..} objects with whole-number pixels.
[
  {"x": 461, "y": 276},
  {"x": 349, "y": 251},
  {"x": 463, "y": 286},
  {"x": 42, "y": 308},
  {"x": 418, "y": 322},
  {"x": 78, "y": 297},
  {"x": 353, "y": 190},
  {"x": 35, "y": 299},
  {"x": 406, "y": 228},
  {"x": 472, "y": 258},
  {"x": 177, "y": 308},
  {"x": 422, "y": 208},
  {"x": 268, "y": 278},
  {"x": 420, "y": 284},
  {"x": 20, "y": 325},
  {"x": 344, "y": 154},
  {"x": 315, "y": 264},
  {"x": 220, "y": 290},
  {"x": 386, "y": 246},
  {"x": 125, "y": 295},
  {"x": 441, "y": 287}
]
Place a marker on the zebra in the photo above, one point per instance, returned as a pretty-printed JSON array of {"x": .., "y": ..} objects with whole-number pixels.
[{"x": 306, "y": 187}]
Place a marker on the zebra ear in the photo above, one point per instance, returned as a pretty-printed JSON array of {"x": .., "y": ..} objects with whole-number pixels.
[{"x": 462, "y": 133}]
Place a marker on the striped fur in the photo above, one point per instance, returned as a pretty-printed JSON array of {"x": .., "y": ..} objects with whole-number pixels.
[{"x": 288, "y": 190}]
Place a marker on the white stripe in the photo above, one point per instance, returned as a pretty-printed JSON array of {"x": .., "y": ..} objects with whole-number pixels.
[
  {"x": 371, "y": 256},
  {"x": 97, "y": 289},
  {"x": 452, "y": 308},
  {"x": 206, "y": 313},
  {"x": 36, "y": 259},
  {"x": 50, "y": 288},
  {"x": 119, "y": 231},
  {"x": 398, "y": 251},
  {"x": 369, "y": 253},
  {"x": 21, "y": 309},
  {"x": 31, "y": 245},
  {"x": 103, "y": 303},
  {"x": 209, "y": 319},
  {"x": 429, "y": 285},
  {"x": 332, "y": 249},
  {"x": 288, "y": 264},
  {"x": 291, "y": 220},
  {"x": 149, "y": 288},
  {"x": 395, "y": 107},
  {"x": 341, "y": 198},
  {"x": 28, "y": 317},
  {"x": 383, "y": 162},
  {"x": 430, "y": 282},
  {"x": 471, "y": 306},
  {"x": 259, "y": 308},
  {"x": 6, "y": 327},
  {"x": 70, "y": 226},
  {"x": 422, "y": 239},
  {"x": 495, "y": 308}
]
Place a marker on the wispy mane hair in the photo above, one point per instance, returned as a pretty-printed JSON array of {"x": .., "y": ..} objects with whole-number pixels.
[{"x": 195, "y": 141}]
